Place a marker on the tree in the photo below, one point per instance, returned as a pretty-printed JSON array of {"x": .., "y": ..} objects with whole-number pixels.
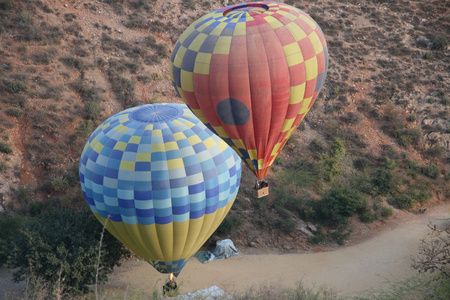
[
  {"x": 434, "y": 251},
  {"x": 61, "y": 248}
]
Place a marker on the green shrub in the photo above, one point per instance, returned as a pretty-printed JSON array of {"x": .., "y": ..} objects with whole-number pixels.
[
  {"x": 9, "y": 227},
  {"x": 288, "y": 225},
  {"x": 423, "y": 286},
  {"x": 73, "y": 62},
  {"x": 337, "y": 204},
  {"x": 412, "y": 118},
  {"x": 316, "y": 239},
  {"x": 5, "y": 148},
  {"x": 122, "y": 87},
  {"x": 84, "y": 128},
  {"x": 22, "y": 194},
  {"x": 36, "y": 208},
  {"x": 368, "y": 217},
  {"x": 316, "y": 146},
  {"x": 445, "y": 100},
  {"x": 440, "y": 43},
  {"x": 436, "y": 151},
  {"x": 92, "y": 110},
  {"x": 17, "y": 86},
  {"x": 386, "y": 212},
  {"x": 329, "y": 167},
  {"x": 338, "y": 147},
  {"x": 431, "y": 171},
  {"x": 66, "y": 256},
  {"x": 408, "y": 137},
  {"x": 3, "y": 166},
  {"x": 351, "y": 118},
  {"x": 14, "y": 111},
  {"x": 404, "y": 201},
  {"x": 383, "y": 181},
  {"x": 362, "y": 163},
  {"x": 9, "y": 4},
  {"x": 339, "y": 237},
  {"x": 407, "y": 199},
  {"x": 34, "y": 34},
  {"x": 229, "y": 223}
]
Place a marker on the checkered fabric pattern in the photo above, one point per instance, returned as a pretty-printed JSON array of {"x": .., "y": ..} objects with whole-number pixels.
[
  {"x": 162, "y": 179},
  {"x": 251, "y": 72}
]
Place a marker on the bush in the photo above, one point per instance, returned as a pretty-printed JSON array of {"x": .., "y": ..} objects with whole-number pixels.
[
  {"x": 288, "y": 225},
  {"x": 84, "y": 128},
  {"x": 17, "y": 86},
  {"x": 363, "y": 163},
  {"x": 338, "y": 147},
  {"x": 34, "y": 34},
  {"x": 383, "y": 181},
  {"x": 337, "y": 204},
  {"x": 386, "y": 212},
  {"x": 3, "y": 166},
  {"x": 36, "y": 208},
  {"x": 22, "y": 194},
  {"x": 316, "y": 146},
  {"x": 122, "y": 87},
  {"x": 9, "y": 227},
  {"x": 9, "y": 4},
  {"x": 329, "y": 167},
  {"x": 66, "y": 256},
  {"x": 229, "y": 223},
  {"x": 92, "y": 110},
  {"x": 14, "y": 112},
  {"x": 431, "y": 171},
  {"x": 409, "y": 198},
  {"x": 351, "y": 118},
  {"x": 73, "y": 62},
  {"x": 368, "y": 217},
  {"x": 5, "y": 148},
  {"x": 436, "y": 151},
  {"x": 402, "y": 201},
  {"x": 339, "y": 237},
  {"x": 316, "y": 239}
]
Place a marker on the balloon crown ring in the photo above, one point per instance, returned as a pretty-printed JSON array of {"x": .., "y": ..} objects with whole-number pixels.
[{"x": 253, "y": 8}]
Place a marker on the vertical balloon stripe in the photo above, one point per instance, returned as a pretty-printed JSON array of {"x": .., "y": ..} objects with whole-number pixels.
[{"x": 286, "y": 67}]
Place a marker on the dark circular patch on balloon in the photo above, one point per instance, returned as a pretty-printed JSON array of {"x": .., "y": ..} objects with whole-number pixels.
[
  {"x": 155, "y": 113},
  {"x": 233, "y": 112}
]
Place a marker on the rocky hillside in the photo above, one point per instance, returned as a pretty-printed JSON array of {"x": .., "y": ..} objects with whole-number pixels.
[{"x": 376, "y": 140}]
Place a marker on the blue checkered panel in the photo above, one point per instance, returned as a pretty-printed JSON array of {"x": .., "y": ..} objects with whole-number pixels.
[
  {"x": 157, "y": 164},
  {"x": 160, "y": 180}
]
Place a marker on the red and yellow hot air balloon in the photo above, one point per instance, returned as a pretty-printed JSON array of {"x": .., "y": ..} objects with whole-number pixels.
[{"x": 251, "y": 72}]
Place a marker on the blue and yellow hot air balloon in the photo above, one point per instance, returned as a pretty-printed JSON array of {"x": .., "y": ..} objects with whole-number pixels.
[
  {"x": 251, "y": 72},
  {"x": 160, "y": 180}
]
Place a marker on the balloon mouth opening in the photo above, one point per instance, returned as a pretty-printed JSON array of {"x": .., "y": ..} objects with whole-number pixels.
[{"x": 250, "y": 8}]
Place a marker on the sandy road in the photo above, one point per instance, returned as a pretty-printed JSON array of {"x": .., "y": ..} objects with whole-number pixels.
[{"x": 349, "y": 270}]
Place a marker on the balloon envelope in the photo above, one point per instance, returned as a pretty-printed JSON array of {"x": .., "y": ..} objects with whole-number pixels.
[
  {"x": 251, "y": 72},
  {"x": 160, "y": 180}
]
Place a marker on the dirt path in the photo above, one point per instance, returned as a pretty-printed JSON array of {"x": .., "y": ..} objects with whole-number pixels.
[{"x": 350, "y": 270}]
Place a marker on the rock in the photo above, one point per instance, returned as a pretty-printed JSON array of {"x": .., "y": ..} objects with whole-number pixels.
[
  {"x": 424, "y": 42},
  {"x": 305, "y": 231},
  {"x": 311, "y": 227},
  {"x": 253, "y": 244},
  {"x": 212, "y": 293}
]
